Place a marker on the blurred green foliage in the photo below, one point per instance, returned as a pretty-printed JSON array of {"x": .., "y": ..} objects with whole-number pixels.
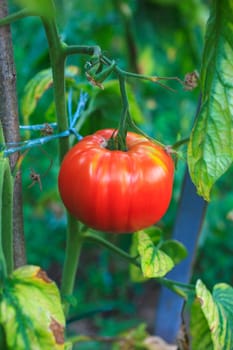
[{"x": 155, "y": 37}]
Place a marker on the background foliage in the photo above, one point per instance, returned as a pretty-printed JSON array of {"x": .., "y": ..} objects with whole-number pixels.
[{"x": 155, "y": 37}]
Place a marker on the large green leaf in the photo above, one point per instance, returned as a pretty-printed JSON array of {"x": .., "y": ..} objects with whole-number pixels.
[
  {"x": 31, "y": 311},
  {"x": 200, "y": 333},
  {"x": 210, "y": 150},
  {"x": 175, "y": 250},
  {"x": 158, "y": 258},
  {"x": 215, "y": 314}
]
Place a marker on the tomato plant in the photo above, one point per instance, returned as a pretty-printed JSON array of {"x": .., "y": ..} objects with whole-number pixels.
[
  {"x": 115, "y": 180},
  {"x": 113, "y": 190}
]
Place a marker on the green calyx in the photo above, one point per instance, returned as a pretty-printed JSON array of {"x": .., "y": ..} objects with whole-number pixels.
[{"x": 117, "y": 143}]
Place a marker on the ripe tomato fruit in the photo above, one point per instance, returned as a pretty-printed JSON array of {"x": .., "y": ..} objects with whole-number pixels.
[{"x": 116, "y": 191}]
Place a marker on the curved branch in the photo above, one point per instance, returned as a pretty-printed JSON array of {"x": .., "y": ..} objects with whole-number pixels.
[{"x": 15, "y": 16}]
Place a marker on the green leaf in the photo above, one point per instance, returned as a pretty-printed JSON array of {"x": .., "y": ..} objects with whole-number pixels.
[
  {"x": 37, "y": 86},
  {"x": 199, "y": 329},
  {"x": 34, "y": 89},
  {"x": 158, "y": 257},
  {"x": 68, "y": 346},
  {"x": 210, "y": 150},
  {"x": 175, "y": 250},
  {"x": 31, "y": 311},
  {"x": 154, "y": 262},
  {"x": 217, "y": 309}
]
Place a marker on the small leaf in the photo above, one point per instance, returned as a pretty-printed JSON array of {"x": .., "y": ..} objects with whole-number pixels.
[
  {"x": 217, "y": 309},
  {"x": 154, "y": 262},
  {"x": 34, "y": 89},
  {"x": 210, "y": 150},
  {"x": 37, "y": 86},
  {"x": 155, "y": 234},
  {"x": 175, "y": 250},
  {"x": 158, "y": 257},
  {"x": 31, "y": 311}
]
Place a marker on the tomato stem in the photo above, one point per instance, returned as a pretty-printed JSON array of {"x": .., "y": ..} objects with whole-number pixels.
[
  {"x": 126, "y": 121},
  {"x": 178, "y": 288},
  {"x": 153, "y": 79},
  {"x": 118, "y": 139},
  {"x": 180, "y": 143},
  {"x": 104, "y": 243}
]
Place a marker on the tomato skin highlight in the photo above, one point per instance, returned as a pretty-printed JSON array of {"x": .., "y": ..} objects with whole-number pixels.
[{"x": 116, "y": 191}]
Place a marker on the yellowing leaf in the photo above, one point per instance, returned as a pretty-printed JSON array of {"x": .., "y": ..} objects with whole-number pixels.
[
  {"x": 154, "y": 262},
  {"x": 31, "y": 311},
  {"x": 216, "y": 318},
  {"x": 37, "y": 86},
  {"x": 158, "y": 257}
]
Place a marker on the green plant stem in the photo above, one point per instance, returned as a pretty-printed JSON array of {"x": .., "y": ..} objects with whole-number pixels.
[
  {"x": 6, "y": 229},
  {"x": 58, "y": 70},
  {"x": 58, "y": 52},
  {"x": 180, "y": 143},
  {"x": 15, "y": 16},
  {"x": 126, "y": 120},
  {"x": 179, "y": 284},
  {"x": 7, "y": 217},
  {"x": 73, "y": 249},
  {"x": 153, "y": 79},
  {"x": 73, "y": 242},
  {"x": 104, "y": 243},
  {"x": 176, "y": 287},
  {"x": 123, "y": 125}
]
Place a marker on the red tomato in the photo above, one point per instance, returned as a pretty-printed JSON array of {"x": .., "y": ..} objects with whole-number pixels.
[{"x": 116, "y": 191}]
